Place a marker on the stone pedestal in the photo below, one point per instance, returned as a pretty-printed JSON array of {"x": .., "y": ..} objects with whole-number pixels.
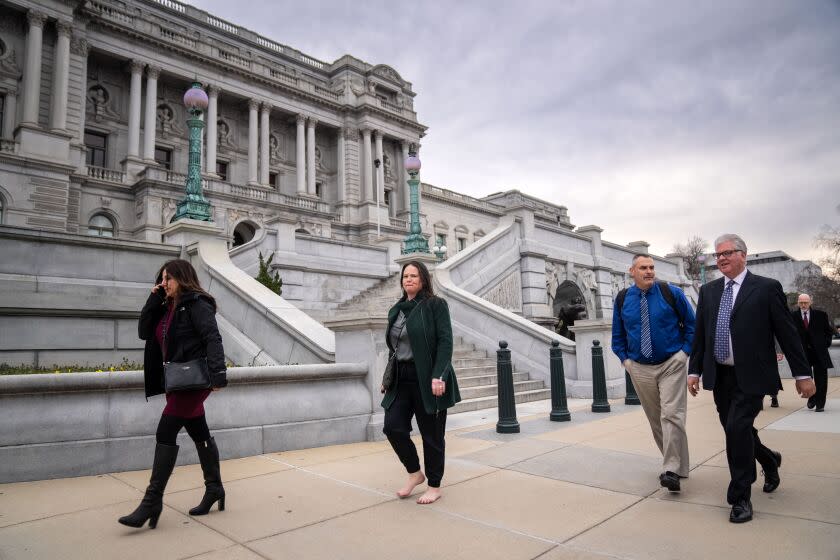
[
  {"x": 187, "y": 232},
  {"x": 360, "y": 338},
  {"x": 39, "y": 143},
  {"x": 586, "y": 331}
]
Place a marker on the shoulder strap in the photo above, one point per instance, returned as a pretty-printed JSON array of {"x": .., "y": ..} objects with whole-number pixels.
[
  {"x": 619, "y": 301},
  {"x": 665, "y": 288}
]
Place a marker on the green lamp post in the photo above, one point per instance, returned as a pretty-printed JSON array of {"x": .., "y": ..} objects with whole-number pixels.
[
  {"x": 194, "y": 206},
  {"x": 414, "y": 241}
]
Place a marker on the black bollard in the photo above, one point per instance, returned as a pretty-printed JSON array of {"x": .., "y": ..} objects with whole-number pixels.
[
  {"x": 630, "y": 396},
  {"x": 599, "y": 379},
  {"x": 507, "y": 423},
  {"x": 559, "y": 407}
]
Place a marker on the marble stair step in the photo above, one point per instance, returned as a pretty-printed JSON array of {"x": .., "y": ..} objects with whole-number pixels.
[
  {"x": 493, "y": 390},
  {"x": 465, "y": 381},
  {"x": 480, "y": 403}
]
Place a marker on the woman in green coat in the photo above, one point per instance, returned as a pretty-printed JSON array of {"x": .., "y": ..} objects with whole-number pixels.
[{"x": 420, "y": 334}]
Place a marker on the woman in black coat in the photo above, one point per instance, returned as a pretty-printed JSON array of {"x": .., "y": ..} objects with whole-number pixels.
[{"x": 178, "y": 324}]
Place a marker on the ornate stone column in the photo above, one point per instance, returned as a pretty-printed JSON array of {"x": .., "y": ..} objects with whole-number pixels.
[
  {"x": 32, "y": 67},
  {"x": 134, "y": 102},
  {"x": 150, "y": 119},
  {"x": 342, "y": 174},
  {"x": 311, "y": 123},
  {"x": 380, "y": 171},
  {"x": 367, "y": 164},
  {"x": 300, "y": 155},
  {"x": 80, "y": 47},
  {"x": 253, "y": 148},
  {"x": 9, "y": 115},
  {"x": 61, "y": 77},
  {"x": 265, "y": 110},
  {"x": 212, "y": 129}
]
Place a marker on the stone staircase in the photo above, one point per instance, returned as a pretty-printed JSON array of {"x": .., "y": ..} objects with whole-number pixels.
[{"x": 476, "y": 370}]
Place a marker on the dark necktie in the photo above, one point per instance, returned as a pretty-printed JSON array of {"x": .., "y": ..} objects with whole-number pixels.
[
  {"x": 805, "y": 319},
  {"x": 722, "y": 328}
]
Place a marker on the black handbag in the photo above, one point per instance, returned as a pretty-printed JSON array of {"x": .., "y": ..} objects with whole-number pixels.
[
  {"x": 186, "y": 376},
  {"x": 390, "y": 372}
]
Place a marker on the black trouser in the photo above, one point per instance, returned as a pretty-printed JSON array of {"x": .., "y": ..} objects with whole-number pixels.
[
  {"x": 821, "y": 381},
  {"x": 408, "y": 403},
  {"x": 737, "y": 412},
  {"x": 169, "y": 426}
]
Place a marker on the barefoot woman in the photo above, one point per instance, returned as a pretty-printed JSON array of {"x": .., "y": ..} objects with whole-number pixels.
[{"x": 420, "y": 332}]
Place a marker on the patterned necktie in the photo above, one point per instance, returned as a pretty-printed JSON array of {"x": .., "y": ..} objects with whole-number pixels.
[
  {"x": 722, "y": 327},
  {"x": 647, "y": 345},
  {"x": 805, "y": 320}
]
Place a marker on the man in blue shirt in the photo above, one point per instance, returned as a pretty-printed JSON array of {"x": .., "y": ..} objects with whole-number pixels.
[{"x": 651, "y": 335}]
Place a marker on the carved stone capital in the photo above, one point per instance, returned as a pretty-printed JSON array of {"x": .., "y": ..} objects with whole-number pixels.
[
  {"x": 36, "y": 18},
  {"x": 300, "y": 119},
  {"x": 213, "y": 90},
  {"x": 253, "y": 104},
  {"x": 79, "y": 46},
  {"x": 377, "y": 134},
  {"x": 366, "y": 131},
  {"x": 64, "y": 28},
  {"x": 152, "y": 72},
  {"x": 265, "y": 107},
  {"x": 136, "y": 66},
  {"x": 313, "y": 122}
]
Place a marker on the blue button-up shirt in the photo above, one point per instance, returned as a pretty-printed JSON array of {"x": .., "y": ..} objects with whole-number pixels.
[{"x": 665, "y": 333}]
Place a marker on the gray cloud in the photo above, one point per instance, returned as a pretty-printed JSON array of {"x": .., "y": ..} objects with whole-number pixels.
[{"x": 654, "y": 120}]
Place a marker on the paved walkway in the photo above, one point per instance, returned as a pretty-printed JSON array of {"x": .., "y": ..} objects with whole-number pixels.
[{"x": 584, "y": 490}]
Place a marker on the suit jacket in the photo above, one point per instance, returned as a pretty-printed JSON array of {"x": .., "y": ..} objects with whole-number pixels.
[
  {"x": 759, "y": 314},
  {"x": 816, "y": 339}
]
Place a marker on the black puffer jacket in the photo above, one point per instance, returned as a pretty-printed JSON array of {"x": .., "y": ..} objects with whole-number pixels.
[{"x": 193, "y": 334}]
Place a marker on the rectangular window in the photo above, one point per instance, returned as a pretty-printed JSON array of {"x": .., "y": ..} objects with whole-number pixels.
[
  {"x": 163, "y": 156},
  {"x": 96, "y": 145},
  {"x": 462, "y": 243},
  {"x": 222, "y": 170},
  {"x": 3, "y": 109},
  {"x": 318, "y": 190},
  {"x": 272, "y": 178},
  {"x": 387, "y": 198}
]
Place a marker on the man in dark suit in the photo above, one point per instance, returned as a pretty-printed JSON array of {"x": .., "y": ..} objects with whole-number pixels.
[
  {"x": 816, "y": 333},
  {"x": 738, "y": 317}
]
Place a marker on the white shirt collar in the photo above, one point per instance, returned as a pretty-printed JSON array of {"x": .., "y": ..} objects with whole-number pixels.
[{"x": 738, "y": 279}]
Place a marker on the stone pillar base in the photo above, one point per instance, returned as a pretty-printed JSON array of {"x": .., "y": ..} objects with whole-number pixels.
[{"x": 43, "y": 144}]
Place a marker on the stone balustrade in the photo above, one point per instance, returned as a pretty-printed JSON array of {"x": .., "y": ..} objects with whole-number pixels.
[{"x": 104, "y": 174}]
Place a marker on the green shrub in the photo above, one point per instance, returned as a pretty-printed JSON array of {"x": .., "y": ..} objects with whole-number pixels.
[
  {"x": 265, "y": 277},
  {"x": 125, "y": 365}
]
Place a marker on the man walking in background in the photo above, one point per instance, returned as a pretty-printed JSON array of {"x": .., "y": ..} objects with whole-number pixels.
[{"x": 816, "y": 333}]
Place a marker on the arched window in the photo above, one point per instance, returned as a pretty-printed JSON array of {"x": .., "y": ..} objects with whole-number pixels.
[
  {"x": 243, "y": 233},
  {"x": 101, "y": 225}
]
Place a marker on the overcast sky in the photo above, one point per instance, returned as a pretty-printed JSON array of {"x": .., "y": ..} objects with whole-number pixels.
[{"x": 654, "y": 120}]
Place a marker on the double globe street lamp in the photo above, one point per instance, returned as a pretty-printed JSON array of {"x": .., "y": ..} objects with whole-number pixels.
[{"x": 194, "y": 206}]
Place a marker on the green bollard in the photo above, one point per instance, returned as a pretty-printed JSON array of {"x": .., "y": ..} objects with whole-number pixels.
[
  {"x": 630, "y": 396},
  {"x": 559, "y": 407},
  {"x": 599, "y": 379},
  {"x": 507, "y": 423}
]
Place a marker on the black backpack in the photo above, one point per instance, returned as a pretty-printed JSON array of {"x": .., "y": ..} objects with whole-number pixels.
[{"x": 665, "y": 288}]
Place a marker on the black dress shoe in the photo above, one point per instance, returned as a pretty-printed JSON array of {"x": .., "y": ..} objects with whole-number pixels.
[
  {"x": 771, "y": 475},
  {"x": 811, "y": 403},
  {"x": 774, "y": 402},
  {"x": 819, "y": 409},
  {"x": 670, "y": 481},
  {"x": 741, "y": 512}
]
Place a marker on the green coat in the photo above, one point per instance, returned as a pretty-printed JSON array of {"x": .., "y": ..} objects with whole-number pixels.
[{"x": 429, "y": 324}]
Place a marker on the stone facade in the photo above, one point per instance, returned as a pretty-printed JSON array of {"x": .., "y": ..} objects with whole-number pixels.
[{"x": 773, "y": 264}]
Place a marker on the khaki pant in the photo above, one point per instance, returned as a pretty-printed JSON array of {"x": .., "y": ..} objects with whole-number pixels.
[{"x": 662, "y": 392}]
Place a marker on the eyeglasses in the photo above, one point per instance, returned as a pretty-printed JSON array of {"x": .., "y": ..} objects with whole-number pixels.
[{"x": 726, "y": 254}]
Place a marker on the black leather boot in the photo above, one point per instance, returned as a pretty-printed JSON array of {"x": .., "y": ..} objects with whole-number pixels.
[
  {"x": 152, "y": 503},
  {"x": 214, "y": 492}
]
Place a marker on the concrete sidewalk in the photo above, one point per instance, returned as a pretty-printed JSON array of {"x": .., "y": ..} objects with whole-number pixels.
[{"x": 586, "y": 489}]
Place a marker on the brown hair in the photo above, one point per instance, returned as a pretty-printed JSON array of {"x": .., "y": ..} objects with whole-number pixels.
[
  {"x": 184, "y": 273},
  {"x": 426, "y": 289}
]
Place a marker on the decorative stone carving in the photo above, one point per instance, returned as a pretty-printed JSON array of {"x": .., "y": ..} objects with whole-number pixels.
[
  {"x": 619, "y": 282},
  {"x": 351, "y": 133},
  {"x": 568, "y": 306},
  {"x": 166, "y": 121},
  {"x": 586, "y": 281},
  {"x": 223, "y": 135},
  {"x": 388, "y": 168},
  {"x": 274, "y": 148},
  {"x": 36, "y": 18},
  {"x": 63, "y": 28},
  {"x": 507, "y": 293},
  {"x": 153, "y": 72},
  {"x": 100, "y": 103},
  {"x": 551, "y": 282},
  {"x": 357, "y": 86},
  {"x": 105, "y": 201},
  {"x": 388, "y": 73},
  {"x": 8, "y": 64}
]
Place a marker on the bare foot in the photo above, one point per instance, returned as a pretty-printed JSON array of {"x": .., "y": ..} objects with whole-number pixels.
[
  {"x": 429, "y": 496},
  {"x": 414, "y": 480}
]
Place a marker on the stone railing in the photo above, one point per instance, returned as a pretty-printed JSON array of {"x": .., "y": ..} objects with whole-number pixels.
[
  {"x": 305, "y": 203},
  {"x": 283, "y": 77},
  {"x": 222, "y": 24},
  {"x": 172, "y": 5},
  {"x": 458, "y": 198},
  {"x": 104, "y": 174},
  {"x": 176, "y": 37},
  {"x": 8, "y": 146},
  {"x": 234, "y": 58},
  {"x": 399, "y": 223},
  {"x": 112, "y": 13},
  {"x": 327, "y": 93},
  {"x": 253, "y": 193}
]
